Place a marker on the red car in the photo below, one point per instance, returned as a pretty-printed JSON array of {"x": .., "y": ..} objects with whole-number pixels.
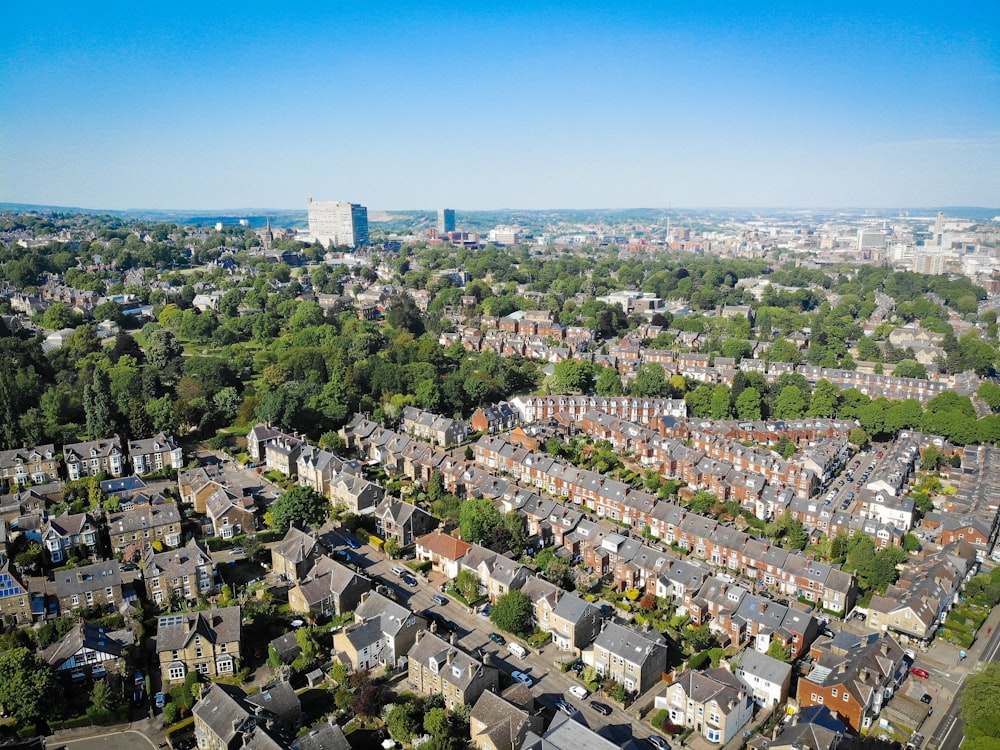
[{"x": 920, "y": 672}]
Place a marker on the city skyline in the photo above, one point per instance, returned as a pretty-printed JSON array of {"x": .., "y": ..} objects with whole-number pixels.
[{"x": 610, "y": 106}]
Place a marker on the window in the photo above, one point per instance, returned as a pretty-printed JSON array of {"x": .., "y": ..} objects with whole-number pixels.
[
  {"x": 176, "y": 672},
  {"x": 834, "y": 691},
  {"x": 845, "y": 696}
]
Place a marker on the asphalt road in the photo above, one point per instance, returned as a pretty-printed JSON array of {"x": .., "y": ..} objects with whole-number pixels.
[
  {"x": 473, "y": 630},
  {"x": 949, "y": 732}
]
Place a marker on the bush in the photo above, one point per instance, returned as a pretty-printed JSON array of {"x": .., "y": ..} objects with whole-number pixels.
[
  {"x": 660, "y": 718},
  {"x": 28, "y": 730}
]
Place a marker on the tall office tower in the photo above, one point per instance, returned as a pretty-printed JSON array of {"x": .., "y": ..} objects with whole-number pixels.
[
  {"x": 446, "y": 220},
  {"x": 339, "y": 222}
]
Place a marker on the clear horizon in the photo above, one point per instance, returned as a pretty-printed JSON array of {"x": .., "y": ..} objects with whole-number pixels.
[{"x": 124, "y": 107}]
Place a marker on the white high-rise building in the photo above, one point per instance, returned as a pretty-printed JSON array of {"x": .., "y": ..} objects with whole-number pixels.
[{"x": 339, "y": 222}]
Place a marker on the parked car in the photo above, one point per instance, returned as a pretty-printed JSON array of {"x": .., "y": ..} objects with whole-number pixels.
[
  {"x": 602, "y": 708},
  {"x": 237, "y": 551},
  {"x": 160, "y": 700},
  {"x": 566, "y": 708},
  {"x": 497, "y": 639},
  {"x": 409, "y": 580},
  {"x": 658, "y": 742},
  {"x": 440, "y": 599},
  {"x": 398, "y": 571},
  {"x": 926, "y": 698},
  {"x": 129, "y": 566},
  {"x": 485, "y": 611},
  {"x": 523, "y": 678},
  {"x": 351, "y": 542},
  {"x": 919, "y": 672},
  {"x": 578, "y": 691}
]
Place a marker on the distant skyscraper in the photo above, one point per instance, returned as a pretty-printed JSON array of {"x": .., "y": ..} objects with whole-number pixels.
[
  {"x": 446, "y": 220},
  {"x": 339, "y": 222}
]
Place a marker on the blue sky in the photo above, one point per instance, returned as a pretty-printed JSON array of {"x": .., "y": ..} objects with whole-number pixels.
[{"x": 489, "y": 105}]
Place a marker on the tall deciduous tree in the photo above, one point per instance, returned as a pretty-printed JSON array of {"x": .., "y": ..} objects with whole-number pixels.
[
  {"x": 27, "y": 683},
  {"x": 301, "y": 504},
  {"x": 512, "y": 612},
  {"x": 478, "y": 519}
]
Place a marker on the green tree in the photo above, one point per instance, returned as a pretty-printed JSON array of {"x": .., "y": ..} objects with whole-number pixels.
[
  {"x": 932, "y": 458},
  {"x": 97, "y": 405},
  {"x": 824, "y": 400},
  {"x": 512, "y": 612},
  {"x": 301, "y": 504},
  {"x": 720, "y": 406},
  {"x": 650, "y": 380},
  {"x": 790, "y": 403},
  {"x": 748, "y": 405},
  {"x": 27, "y": 685},
  {"x": 402, "y": 722},
  {"x": 608, "y": 383},
  {"x": 467, "y": 585},
  {"x": 980, "y": 704},
  {"x": 163, "y": 349},
  {"x": 391, "y": 548},
  {"x": 910, "y": 368},
  {"x": 700, "y": 637},
  {"x": 858, "y": 438},
  {"x": 102, "y": 698},
  {"x": 436, "y": 722},
  {"x": 990, "y": 393},
  {"x": 478, "y": 518}
]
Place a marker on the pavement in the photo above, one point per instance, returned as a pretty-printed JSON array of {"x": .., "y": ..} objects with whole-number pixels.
[
  {"x": 943, "y": 729},
  {"x": 148, "y": 733}
]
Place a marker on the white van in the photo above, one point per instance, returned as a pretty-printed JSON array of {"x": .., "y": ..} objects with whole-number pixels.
[{"x": 517, "y": 649}]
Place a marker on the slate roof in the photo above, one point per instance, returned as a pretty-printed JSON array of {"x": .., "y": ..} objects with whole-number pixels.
[{"x": 175, "y": 632}]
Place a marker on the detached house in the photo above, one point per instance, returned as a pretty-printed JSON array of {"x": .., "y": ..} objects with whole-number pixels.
[
  {"x": 636, "y": 659},
  {"x": 575, "y": 623},
  {"x": 437, "y": 667},
  {"x": 767, "y": 679},
  {"x": 155, "y": 454},
  {"x": 225, "y": 719},
  {"x": 89, "y": 651},
  {"x": 93, "y": 458},
  {"x": 404, "y": 522},
  {"x": 295, "y": 555},
  {"x": 714, "y": 703},
  {"x": 207, "y": 642}
]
